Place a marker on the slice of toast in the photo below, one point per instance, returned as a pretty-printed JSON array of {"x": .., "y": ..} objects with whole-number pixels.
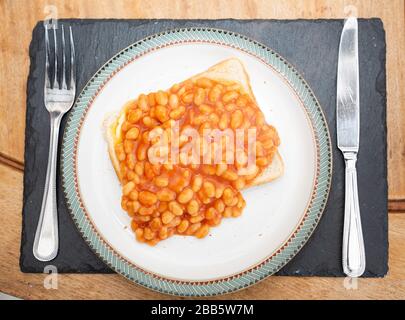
[{"x": 230, "y": 70}]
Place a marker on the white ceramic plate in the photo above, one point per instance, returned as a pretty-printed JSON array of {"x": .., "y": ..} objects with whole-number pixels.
[{"x": 275, "y": 212}]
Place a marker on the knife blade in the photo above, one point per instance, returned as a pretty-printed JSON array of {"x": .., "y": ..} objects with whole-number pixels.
[
  {"x": 348, "y": 104},
  {"x": 348, "y": 135}
]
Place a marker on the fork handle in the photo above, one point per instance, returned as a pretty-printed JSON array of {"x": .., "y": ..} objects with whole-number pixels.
[
  {"x": 46, "y": 241},
  {"x": 354, "y": 260}
]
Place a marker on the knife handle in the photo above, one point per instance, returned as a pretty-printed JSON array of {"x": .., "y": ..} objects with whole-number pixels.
[{"x": 354, "y": 259}]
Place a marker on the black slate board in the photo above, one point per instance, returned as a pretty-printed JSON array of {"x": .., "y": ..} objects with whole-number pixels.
[{"x": 312, "y": 47}]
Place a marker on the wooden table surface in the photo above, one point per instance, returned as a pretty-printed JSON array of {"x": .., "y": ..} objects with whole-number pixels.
[{"x": 18, "y": 19}]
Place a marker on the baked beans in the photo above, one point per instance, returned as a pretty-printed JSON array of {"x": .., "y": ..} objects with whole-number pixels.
[{"x": 187, "y": 199}]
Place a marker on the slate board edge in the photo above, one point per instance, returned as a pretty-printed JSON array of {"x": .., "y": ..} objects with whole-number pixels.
[{"x": 31, "y": 76}]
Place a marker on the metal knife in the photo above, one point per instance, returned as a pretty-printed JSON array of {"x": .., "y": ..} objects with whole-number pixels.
[{"x": 348, "y": 135}]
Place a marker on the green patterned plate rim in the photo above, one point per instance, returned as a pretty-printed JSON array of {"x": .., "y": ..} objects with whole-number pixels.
[{"x": 246, "y": 278}]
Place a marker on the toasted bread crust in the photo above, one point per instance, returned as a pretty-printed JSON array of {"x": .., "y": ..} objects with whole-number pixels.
[{"x": 230, "y": 70}]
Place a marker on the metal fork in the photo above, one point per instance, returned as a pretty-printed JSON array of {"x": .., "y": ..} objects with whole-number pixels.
[{"x": 58, "y": 99}]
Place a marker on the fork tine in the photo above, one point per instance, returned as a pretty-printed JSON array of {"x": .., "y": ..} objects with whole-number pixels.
[
  {"x": 55, "y": 79},
  {"x": 47, "y": 81},
  {"x": 72, "y": 62},
  {"x": 64, "y": 86}
]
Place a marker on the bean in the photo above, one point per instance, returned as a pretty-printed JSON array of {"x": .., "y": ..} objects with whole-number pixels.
[
  {"x": 167, "y": 217},
  {"x": 175, "y": 222},
  {"x": 205, "y": 108},
  {"x": 204, "y": 82},
  {"x": 162, "y": 181},
  {"x": 141, "y": 152},
  {"x": 241, "y": 202},
  {"x": 133, "y": 195},
  {"x": 161, "y": 113},
  {"x": 193, "y": 228},
  {"x": 193, "y": 207},
  {"x": 145, "y": 137},
  {"x": 131, "y": 161},
  {"x": 175, "y": 208},
  {"x": 144, "y": 218},
  {"x": 173, "y": 101},
  {"x": 202, "y": 231},
  {"x": 153, "y": 242},
  {"x": 143, "y": 102},
  {"x": 177, "y": 113},
  {"x": 148, "y": 234},
  {"x": 236, "y": 119},
  {"x": 156, "y": 224},
  {"x": 262, "y": 161},
  {"x": 268, "y": 144},
  {"x": 163, "y": 233},
  {"x": 253, "y": 171},
  {"x": 129, "y": 146},
  {"x": 197, "y": 218},
  {"x": 234, "y": 202},
  {"x": 145, "y": 211},
  {"x": 219, "y": 205},
  {"x": 151, "y": 99},
  {"x": 185, "y": 196},
  {"x": 134, "y": 225},
  {"x": 232, "y": 87},
  {"x": 230, "y": 175},
  {"x": 236, "y": 212},
  {"x": 199, "y": 120},
  {"x": 239, "y": 183},
  {"x": 134, "y": 115},
  {"x": 230, "y": 107},
  {"x": 223, "y": 121},
  {"x": 209, "y": 170},
  {"x": 219, "y": 191},
  {"x": 214, "y": 222},
  {"x": 149, "y": 174},
  {"x": 136, "y": 206},
  {"x": 187, "y": 98},
  {"x": 181, "y": 91},
  {"x": 128, "y": 188},
  {"x": 163, "y": 206},
  {"x": 147, "y": 198},
  {"x": 132, "y": 133},
  {"x": 211, "y": 213},
  {"x": 229, "y": 96},
  {"x": 139, "y": 234},
  {"x": 149, "y": 122},
  {"x": 177, "y": 183},
  {"x": 213, "y": 117},
  {"x": 241, "y": 102},
  {"x": 139, "y": 168},
  {"x": 209, "y": 189},
  {"x": 206, "y": 200},
  {"x": 182, "y": 227},
  {"x": 161, "y": 98},
  {"x": 228, "y": 212},
  {"x": 260, "y": 121},
  {"x": 166, "y": 195},
  {"x": 168, "y": 167},
  {"x": 175, "y": 87},
  {"x": 259, "y": 149},
  {"x": 129, "y": 209},
  {"x": 228, "y": 196},
  {"x": 221, "y": 168},
  {"x": 199, "y": 96},
  {"x": 120, "y": 152},
  {"x": 214, "y": 93}
]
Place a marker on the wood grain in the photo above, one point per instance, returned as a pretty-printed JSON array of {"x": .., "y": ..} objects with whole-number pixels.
[
  {"x": 30, "y": 286},
  {"x": 14, "y": 61}
]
